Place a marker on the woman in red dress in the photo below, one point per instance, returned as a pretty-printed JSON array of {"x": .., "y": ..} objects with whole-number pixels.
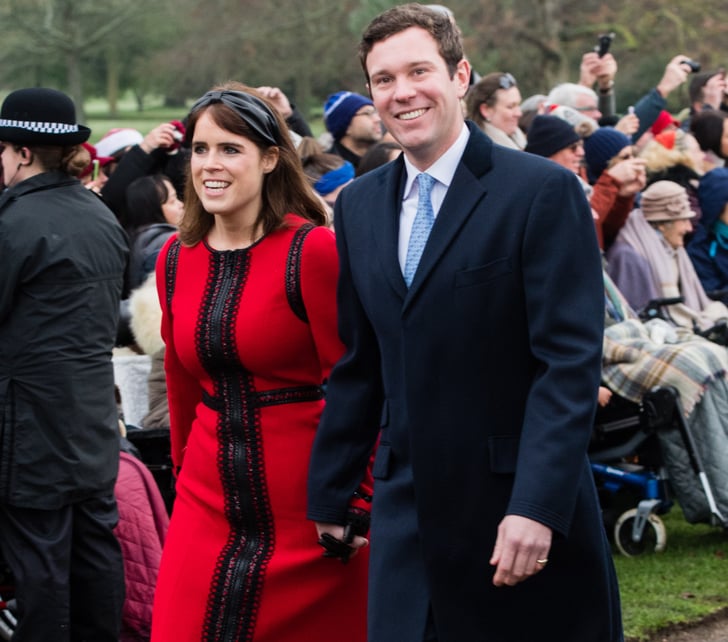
[{"x": 249, "y": 321}]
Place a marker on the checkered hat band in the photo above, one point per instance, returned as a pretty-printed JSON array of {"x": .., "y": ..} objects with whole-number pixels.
[{"x": 45, "y": 128}]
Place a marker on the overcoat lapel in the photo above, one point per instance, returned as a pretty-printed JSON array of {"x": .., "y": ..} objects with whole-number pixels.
[
  {"x": 385, "y": 219},
  {"x": 465, "y": 193}
]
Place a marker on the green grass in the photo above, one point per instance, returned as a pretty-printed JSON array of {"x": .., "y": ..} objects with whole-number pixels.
[
  {"x": 685, "y": 583},
  {"x": 100, "y": 122}
]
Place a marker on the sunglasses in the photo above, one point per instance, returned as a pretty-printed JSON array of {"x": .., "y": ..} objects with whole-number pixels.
[
  {"x": 574, "y": 147},
  {"x": 506, "y": 81}
]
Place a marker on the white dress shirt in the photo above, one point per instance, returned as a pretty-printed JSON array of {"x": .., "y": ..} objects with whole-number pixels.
[{"x": 442, "y": 170}]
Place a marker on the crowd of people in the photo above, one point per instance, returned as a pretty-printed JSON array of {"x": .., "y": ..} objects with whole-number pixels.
[{"x": 397, "y": 332}]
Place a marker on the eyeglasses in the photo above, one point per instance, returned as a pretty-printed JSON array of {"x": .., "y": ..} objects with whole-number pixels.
[
  {"x": 506, "y": 81},
  {"x": 370, "y": 111},
  {"x": 587, "y": 108},
  {"x": 575, "y": 147}
]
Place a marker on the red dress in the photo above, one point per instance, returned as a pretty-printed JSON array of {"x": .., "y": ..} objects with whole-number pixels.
[{"x": 251, "y": 335}]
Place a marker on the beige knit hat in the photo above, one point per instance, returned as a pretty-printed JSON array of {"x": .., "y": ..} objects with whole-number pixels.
[{"x": 665, "y": 201}]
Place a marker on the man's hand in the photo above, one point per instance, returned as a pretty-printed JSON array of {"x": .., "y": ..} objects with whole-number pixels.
[
  {"x": 521, "y": 550},
  {"x": 598, "y": 70},
  {"x": 676, "y": 73},
  {"x": 628, "y": 124},
  {"x": 278, "y": 98},
  {"x": 161, "y": 136},
  {"x": 630, "y": 174},
  {"x": 337, "y": 532}
]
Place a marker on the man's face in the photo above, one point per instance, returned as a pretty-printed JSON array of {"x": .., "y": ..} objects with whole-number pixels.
[
  {"x": 713, "y": 90},
  {"x": 588, "y": 106},
  {"x": 414, "y": 94},
  {"x": 366, "y": 126}
]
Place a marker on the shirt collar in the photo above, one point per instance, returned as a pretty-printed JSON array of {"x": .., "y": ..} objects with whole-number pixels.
[{"x": 443, "y": 169}]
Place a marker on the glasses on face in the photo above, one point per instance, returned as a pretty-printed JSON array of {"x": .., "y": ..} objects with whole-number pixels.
[
  {"x": 506, "y": 81},
  {"x": 587, "y": 108},
  {"x": 575, "y": 147},
  {"x": 369, "y": 111}
]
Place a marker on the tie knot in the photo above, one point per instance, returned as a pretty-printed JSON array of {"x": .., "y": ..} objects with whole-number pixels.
[{"x": 424, "y": 184}]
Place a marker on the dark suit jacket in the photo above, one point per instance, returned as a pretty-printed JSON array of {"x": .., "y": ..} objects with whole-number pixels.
[{"x": 482, "y": 378}]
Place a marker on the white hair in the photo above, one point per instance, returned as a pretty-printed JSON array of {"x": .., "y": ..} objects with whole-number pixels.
[{"x": 567, "y": 92}]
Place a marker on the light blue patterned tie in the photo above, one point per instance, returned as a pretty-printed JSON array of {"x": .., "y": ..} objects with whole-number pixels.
[{"x": 420, "y": 227}]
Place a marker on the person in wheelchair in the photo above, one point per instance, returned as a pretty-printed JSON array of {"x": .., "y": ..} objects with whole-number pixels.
[
  {"x": 639, "y": 356},
  {"x": 708, "y": 248},
  {"x": 648, "y": 260}
]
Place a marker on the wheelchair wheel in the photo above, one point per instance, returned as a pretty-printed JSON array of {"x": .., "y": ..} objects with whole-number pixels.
[
  {"x": 7, "y": 622},
  {"x": 653, "y": 538}
]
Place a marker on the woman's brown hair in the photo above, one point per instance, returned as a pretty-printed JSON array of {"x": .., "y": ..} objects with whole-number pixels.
[{"x": 285, "y": 188}]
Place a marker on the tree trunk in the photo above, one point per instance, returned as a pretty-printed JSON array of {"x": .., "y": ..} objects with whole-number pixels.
[
  {"x": 75, "y": 84},
  {"x": 112, "y": 80}
]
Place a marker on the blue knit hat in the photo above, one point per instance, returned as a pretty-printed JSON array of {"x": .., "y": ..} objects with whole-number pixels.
[
  {"x": 713, "y": 195},
  {"x": 340, "y": 108},
  {"x": 601, "y": 147}
]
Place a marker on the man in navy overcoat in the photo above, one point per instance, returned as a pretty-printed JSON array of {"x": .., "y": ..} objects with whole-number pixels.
[{"x": 480, "y": 378}]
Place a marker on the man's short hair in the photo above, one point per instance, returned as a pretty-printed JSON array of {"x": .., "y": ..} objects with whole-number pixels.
[
  {"x": 566, "y": 94},
  {"x": 402, "y": 17}
]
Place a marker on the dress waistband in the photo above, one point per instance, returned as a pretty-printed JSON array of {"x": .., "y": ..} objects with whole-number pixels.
[{"x": 277, "y": 396}]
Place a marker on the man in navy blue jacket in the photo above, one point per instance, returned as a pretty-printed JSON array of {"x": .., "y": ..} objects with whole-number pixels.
[{"x": 479, "y": 377}]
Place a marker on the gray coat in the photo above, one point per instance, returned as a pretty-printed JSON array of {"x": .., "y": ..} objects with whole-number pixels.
[{"x": 62, "y": 260}]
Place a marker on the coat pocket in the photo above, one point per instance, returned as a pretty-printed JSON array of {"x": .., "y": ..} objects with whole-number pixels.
[
  {"x": 483, "y": 273},
  {"x": 503, "y": 453}
]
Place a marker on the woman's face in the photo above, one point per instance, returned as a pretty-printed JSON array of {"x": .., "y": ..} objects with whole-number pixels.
[
  {"x": 11, "y": 160},
  {"x": 172, "y": 208},
  {"x": 674, "y": 231},
  {"x": 724, "y": 140},
  {"x": 506, "y": 111},
  {"x": 228, "y": 169},
  {"x": 570, "y": 157},
  {"x": 692, "y": 149}
]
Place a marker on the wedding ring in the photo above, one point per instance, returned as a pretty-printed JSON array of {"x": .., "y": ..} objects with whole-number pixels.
[{"x": 543, "y": 562}]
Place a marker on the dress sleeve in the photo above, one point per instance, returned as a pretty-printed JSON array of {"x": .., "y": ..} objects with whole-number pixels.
[
  {"x": 319, "y": 274},
  {"x": 183, "y": 390},
  {"x": 319, "y": 277}
]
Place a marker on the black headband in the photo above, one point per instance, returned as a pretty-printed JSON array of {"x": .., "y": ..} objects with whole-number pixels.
[{"x": 252, "y": 110}]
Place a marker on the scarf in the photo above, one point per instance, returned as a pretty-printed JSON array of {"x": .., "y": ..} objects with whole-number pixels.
[{"x": 673, "y": 274}]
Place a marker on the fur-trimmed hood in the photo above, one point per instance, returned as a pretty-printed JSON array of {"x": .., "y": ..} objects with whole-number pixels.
[{"x": 146, "y": 316}]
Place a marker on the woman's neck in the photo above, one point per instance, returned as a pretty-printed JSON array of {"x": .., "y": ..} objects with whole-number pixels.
[{"x": 227, "y": 234}]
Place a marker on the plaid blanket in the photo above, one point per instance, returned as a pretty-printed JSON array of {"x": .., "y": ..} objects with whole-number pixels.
[{"x": 632, "y": 364}]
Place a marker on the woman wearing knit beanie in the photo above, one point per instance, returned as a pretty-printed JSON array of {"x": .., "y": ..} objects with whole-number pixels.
[{"x": 617, "y": 176}]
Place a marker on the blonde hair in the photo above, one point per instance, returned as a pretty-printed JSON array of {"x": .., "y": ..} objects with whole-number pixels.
[{"x": 659, "y": 158}]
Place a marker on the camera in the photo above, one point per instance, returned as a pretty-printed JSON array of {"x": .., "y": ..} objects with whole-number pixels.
[
  {"x": 603, "y": 44},
  {"x": 694, "y": 65}
]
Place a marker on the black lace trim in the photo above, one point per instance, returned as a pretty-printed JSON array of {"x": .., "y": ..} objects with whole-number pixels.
[
  {"x": 171, "y": 271},
  {"x": 274, "y": 397},
  {"x": 235, "y": 589},
  {"x": 293, "y": 272}
]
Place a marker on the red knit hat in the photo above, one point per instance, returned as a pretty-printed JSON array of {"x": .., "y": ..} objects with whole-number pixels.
[
  {"x": 663, "y": 121},
  {"x": 103, "y": 160}
]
